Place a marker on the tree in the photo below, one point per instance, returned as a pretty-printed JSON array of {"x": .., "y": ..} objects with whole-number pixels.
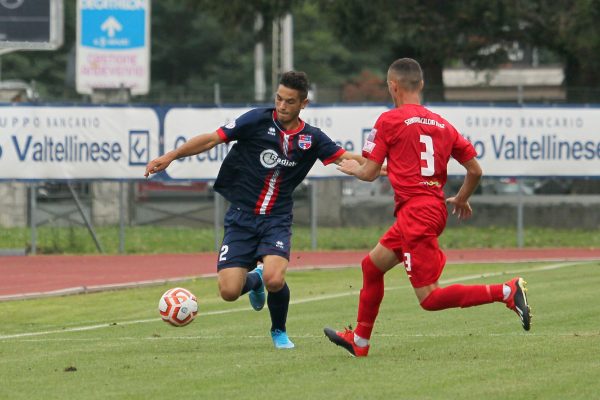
[
  {"x": 432, "y": 31},
  {"x": 197, "y": 43},
  {"x": 188, "y": 45},
  {"x": 571, "y": 29}
]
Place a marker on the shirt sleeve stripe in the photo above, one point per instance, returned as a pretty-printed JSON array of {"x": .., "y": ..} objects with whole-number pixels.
[
  {"x": 334, "y": 157},
  {"x": 222, "y": 135}
]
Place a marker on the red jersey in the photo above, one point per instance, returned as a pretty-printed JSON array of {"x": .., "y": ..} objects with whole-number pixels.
[{"x": 417, "y": 144}]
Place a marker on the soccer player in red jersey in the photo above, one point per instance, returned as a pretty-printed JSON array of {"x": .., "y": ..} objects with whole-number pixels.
[{"x": 418, "y": 145}]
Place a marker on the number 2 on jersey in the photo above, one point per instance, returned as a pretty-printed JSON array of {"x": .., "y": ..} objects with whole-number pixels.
[
  {"x": 427, "y": 155},
  {"x": 224, "y": 251}
]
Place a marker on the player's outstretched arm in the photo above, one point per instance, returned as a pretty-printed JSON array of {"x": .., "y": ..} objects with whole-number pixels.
[
  {"x": 351, "y": 156},
  {"x": 196, "y": 145},
  {"x": 462, "y": 208},
  {"x": 361, "y": 160},
  {"x": 365, "y": 172}
]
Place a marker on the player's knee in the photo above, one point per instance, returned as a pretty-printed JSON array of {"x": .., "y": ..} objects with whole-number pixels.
[
  {"x": 370, "y": 270},
  {"x": 229, "y": 294},
  {"x": 274, "y": 283}
]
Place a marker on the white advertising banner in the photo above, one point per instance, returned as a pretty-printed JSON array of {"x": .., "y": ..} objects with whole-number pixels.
[
  {"x": 346, "y": 125},
  {"x": 77, "y": 142},
  {"x": 63, "y": 143},
  {"x": 530, "y": 141},
  {"x": 113, "y": 45},
  {"x": 510, "y": 141}
]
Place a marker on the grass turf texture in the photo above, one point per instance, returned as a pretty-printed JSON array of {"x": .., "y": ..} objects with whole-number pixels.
[
  {"x": 156, "y": 240},
  {"x": 475, "y": 353}
]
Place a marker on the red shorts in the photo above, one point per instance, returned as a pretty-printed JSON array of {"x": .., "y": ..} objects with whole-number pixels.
[{"x": 414, "y": 239}]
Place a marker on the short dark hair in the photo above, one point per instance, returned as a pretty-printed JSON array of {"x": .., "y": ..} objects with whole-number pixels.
[
  {"x": 296, "y": 80},
  {"x": 408, "y": 73}
]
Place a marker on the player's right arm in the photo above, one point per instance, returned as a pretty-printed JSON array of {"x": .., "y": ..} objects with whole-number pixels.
[
  {"x": 367, "y": 171},
  {"x": 196, "y": 145}
]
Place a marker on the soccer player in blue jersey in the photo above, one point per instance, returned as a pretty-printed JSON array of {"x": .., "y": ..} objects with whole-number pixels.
[{"x": 273, "y": 153}]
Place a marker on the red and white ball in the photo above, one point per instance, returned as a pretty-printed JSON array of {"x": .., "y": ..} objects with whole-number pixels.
[{"x": 178, "y": 306}]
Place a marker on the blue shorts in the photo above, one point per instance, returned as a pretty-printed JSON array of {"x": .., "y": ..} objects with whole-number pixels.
[{"x": 248, "y": 237}]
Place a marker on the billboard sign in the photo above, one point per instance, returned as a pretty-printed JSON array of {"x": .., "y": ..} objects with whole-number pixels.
[
  {"x": 31, "y": 24},
  {"x": 345, "y": 125},
  {"x": 64, "y": 143},
  {"x": 529, "y": 141},
  {"x": 510, "y": 141},
  {"x": 113, "y": 45}
]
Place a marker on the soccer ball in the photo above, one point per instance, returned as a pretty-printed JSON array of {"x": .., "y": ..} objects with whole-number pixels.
[{"x": 178, "y": 306}]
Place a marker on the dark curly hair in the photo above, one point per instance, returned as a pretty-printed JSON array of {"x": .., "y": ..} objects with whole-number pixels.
[{"x": 297, "y": 80}]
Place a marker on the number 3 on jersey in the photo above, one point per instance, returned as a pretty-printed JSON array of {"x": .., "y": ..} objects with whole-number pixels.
[
  {"x": 427, "y": 155},
  {"x": 407, "y": 262}
]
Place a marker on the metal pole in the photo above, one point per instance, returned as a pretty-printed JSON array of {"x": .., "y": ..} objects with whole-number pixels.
[
  {"x": 287, "y": 43},
  {"x": 520, "y": 233},
  {"x": 85, "y": 218},
  {"x": 520, "y": 94},
  {"x": 121, "y": 218},
  {"x": 217, "y": 93},
  {"x": 260, "y": 85},
  {"x": 275, "y": 50},
  {"x": 313, "y": 215},
  {"x": 32, "y": 207}
]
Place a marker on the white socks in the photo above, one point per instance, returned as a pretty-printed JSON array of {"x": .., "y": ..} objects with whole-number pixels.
[
  {"x": 360, "y": 342},
  {"x": 505, "y": 291}
]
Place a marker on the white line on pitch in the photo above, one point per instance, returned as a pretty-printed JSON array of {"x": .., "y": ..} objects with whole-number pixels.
[
  {"x": 300, "y": 301},
  {"x": 309, "y": 336}
]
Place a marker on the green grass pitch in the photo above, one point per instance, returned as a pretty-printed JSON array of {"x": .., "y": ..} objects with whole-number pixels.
[{"x": 113, "y": 345}]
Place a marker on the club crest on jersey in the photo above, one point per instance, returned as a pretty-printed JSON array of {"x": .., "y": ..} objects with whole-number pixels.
[{"x": 304, "y": 142}]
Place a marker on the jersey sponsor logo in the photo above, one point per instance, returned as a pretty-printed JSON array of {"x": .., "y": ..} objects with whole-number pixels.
[
  {"x": 304, "y": 141},
  {"x": 270, "y": 159},
  {"x": 279, "y": 244},
  {"x": 369, "y": 146},
  {"x": 230, "y": 125},
  {"x": 431, "y": 183},
  {"x": 271, "y": 131}
]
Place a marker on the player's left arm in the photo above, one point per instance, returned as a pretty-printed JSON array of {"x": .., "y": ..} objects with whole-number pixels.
[
  {"x": 349, "y": 163},
  {"x": 368, "y": 171},
  {"x": 461, "y": 200},
  {"x": 350, "y": 156}
]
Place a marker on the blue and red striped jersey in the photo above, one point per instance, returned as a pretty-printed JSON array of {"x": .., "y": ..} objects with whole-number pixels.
[{"x": 264, "y": 166}]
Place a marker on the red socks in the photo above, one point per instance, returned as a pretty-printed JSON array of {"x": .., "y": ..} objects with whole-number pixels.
[
  {"x": 371, "y": 296},
  {"x": 462, "y": 296}
]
